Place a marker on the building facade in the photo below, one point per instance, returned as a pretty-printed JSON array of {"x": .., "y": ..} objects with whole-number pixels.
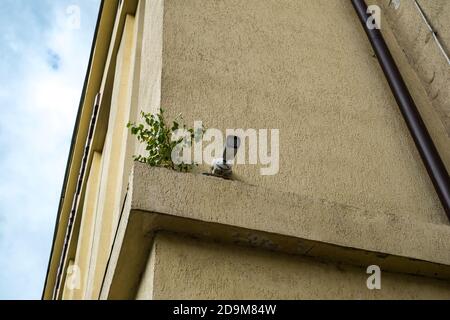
[{"x": 351, "y": 192}]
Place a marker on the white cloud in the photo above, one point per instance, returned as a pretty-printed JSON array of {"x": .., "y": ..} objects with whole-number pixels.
[{"x": 42, "y": 74}]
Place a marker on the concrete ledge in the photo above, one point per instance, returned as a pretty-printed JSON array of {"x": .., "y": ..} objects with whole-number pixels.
[{"x": 238, "y": 213}]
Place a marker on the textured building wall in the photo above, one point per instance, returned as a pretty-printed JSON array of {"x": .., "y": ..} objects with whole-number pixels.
[
  {"x": 306, "y": 68},
  {"x": 421, "y": 49},
  {"x": 181, "y": 268},
  {"x": 113, "y": 161},
  {"x": 438, "y": 12}
]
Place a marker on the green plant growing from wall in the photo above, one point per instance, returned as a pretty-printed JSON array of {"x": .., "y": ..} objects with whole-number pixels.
[{"x": 158, "y": 137}]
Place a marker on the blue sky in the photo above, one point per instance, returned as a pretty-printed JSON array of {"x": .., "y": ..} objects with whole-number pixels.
[{"x": 44, "y": 51}]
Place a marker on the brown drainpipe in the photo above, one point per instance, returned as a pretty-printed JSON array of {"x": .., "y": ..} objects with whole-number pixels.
[{"x": 425, "y": 145}]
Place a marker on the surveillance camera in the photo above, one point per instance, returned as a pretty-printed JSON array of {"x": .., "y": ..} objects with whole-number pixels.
[
  {"x": 231, "y": 148},
  {"x": 223, "y": 167}
]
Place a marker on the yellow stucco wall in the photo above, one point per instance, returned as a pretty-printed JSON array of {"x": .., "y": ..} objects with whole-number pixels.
[
  {"x": 306, "y": 68},
  {"x": 110, "y": 195},
  {"x": 183, "y": 268},
  {"x": 85, "y": 241},
  {"x": 421, "y": 49}
]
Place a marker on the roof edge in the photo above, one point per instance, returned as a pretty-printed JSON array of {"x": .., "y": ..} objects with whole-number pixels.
[{"x": 72, "y": 145}]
